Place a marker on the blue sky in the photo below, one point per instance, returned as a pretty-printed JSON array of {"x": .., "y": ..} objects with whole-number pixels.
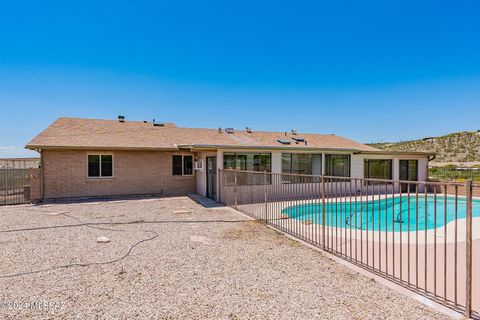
[{"x": 367, "y": 70}]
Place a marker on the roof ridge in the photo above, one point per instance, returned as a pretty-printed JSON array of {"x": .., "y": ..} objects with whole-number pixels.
[{"x": 200, "y": 128}]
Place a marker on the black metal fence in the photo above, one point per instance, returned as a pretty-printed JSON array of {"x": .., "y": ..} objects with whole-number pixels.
[
  {"x": 15, "y": 180},
  {"x": 424, "y": 236}
]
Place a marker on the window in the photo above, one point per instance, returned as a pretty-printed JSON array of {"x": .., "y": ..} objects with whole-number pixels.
[
  {"x": 298, "y": 163},
  {"x": 337, "y": 165},
  {"x": 187, "y": 165},
  {"x": 262, "y": 162},
  {"x": 177, "y": 165},
  {"x": 409, "y": 170},
  {"x": 378, "y": 169},
  {"x": 259, "y": 162},
  {"x": 100, "y": 165},
  {"x": 182, "y": 165}
]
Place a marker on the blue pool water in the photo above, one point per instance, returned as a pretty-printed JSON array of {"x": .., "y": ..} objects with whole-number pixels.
[{"x": 387, "y": 214}]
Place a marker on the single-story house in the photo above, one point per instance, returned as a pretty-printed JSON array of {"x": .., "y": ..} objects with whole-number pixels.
[{"x": 90, "y": 157}]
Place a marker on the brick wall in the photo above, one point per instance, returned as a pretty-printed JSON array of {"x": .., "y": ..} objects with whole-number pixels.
[
  {"x": 35, "y": 182},
  {"x": 65, "y": 175}
]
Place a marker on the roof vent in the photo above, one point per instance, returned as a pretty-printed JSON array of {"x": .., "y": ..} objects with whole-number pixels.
[
  {"x": 229, "y": 130},
  {"x": 284, "y": 141},
  {"x": 220, "y": 130},
  {"x": 298, "y": 139},
  {"x": 155, "y": 124},
  {"x": 294, "y": 131},
  {"x": 249, "y": 129},
  {"x": 121, "y": 119}
]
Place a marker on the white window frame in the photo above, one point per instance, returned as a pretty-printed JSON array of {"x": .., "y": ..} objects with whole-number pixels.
[
  {"x": 183, "y": 165},
  {"x": 101, "y": 154}
]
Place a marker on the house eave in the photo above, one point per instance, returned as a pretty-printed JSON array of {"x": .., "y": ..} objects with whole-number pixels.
[
  {"x": 212, "y": 147},
  {"x": 398, "y": 153},
  {"x": 106, "y": 148},
  {"x": 209, "y": 147}
]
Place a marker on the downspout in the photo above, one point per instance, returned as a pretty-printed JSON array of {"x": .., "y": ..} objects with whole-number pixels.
[{"x": 42, "y": 181}]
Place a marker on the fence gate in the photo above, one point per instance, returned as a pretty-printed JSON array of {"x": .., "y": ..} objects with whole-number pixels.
[{"x": 15, "y": 180}]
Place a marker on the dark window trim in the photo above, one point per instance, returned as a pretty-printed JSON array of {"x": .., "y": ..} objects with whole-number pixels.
[
  {"x": 417, "y": 167},
  {"x": 366, "y": 168},
  {"x": 311, "y": 163},
  {"x": 327, "y": 169},
  {"x": 235, "y": 154},
  {"x": 251, "y": 179},
  {"x": 183, "y": 165},
  {"x": 290, "y": 177},
  {"x": 100, "y": 176}
]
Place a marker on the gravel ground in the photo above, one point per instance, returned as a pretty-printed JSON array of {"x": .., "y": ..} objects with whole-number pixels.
[{"x": 201, "y": 264}]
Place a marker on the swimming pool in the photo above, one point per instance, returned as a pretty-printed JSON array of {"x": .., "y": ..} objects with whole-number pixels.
[{"x": 390, "y": 214}]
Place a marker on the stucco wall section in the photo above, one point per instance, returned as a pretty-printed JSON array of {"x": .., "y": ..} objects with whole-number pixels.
[
  {"x": 276, "y": 162},
  {"x": 422, "y": 169},
  {"x": 356, "y": 169},
  {"x": 202, "y": 174},
  {"x": 65, "y": 175}
]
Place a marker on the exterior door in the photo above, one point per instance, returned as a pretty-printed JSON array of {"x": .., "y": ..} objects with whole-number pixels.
[
  {"x": 409, "y": 172},
  {"x": 212, "y": 177}
]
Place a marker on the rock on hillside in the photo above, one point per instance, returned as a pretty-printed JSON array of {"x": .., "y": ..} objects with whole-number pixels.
[{"x": 455, "y": 147}]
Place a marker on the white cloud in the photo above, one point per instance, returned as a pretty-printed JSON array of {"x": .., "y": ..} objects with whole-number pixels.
[{"x": 16, "y": 152}]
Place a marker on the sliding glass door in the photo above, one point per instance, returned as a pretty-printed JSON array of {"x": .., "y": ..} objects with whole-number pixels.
[
  {"x": 408, "y": 172},
  {"x": 212, "y": 177}
]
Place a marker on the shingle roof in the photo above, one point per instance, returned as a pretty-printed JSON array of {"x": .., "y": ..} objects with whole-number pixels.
[{"x": 75, "y": 133}]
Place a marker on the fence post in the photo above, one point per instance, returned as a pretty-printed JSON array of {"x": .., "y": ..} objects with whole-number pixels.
[
  {"x": 323, "y": 211},
  {"x": 265, "y": 193},
  {"x": 224, "y": 192},
  {"x": 235, "y": 189},
  {"x": 5, "y": 172},
  {"x": 468, "y": 275}
]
